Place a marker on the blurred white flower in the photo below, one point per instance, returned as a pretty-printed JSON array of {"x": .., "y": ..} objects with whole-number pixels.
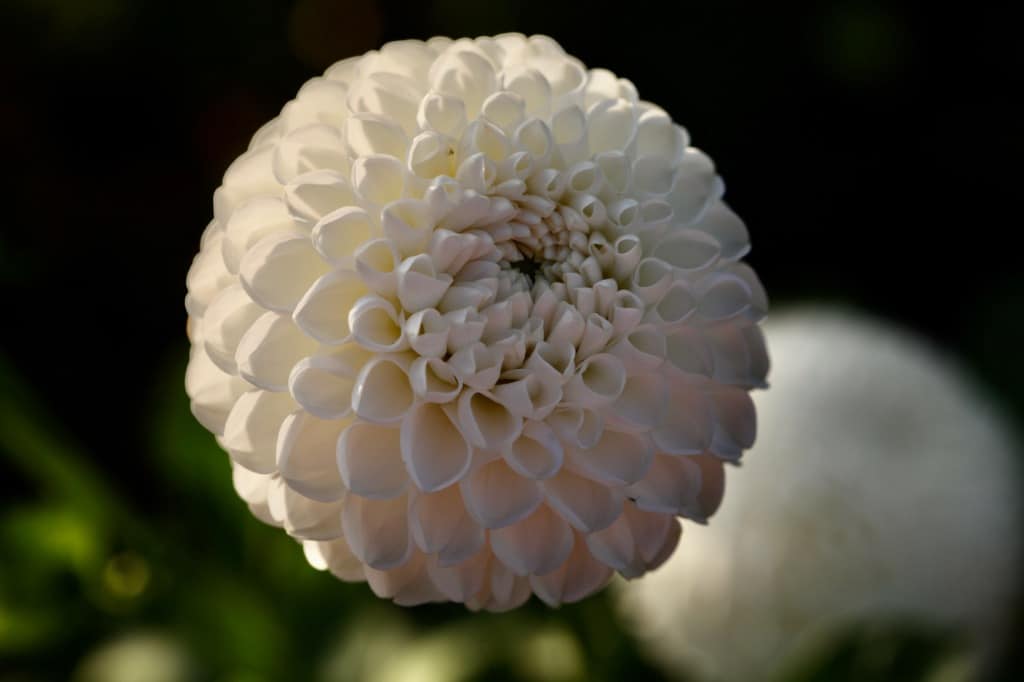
[
  {"x": 883, "y": 487},
  {"x": 471, "y": 323}
]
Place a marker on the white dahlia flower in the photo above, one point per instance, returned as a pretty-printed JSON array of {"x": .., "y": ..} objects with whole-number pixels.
[
  {"x": 471, "y": 323},
  {"x": 883, "y": 488}
]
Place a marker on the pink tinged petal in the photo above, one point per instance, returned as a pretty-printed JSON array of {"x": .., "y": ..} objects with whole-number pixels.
[
  {"x": 641, "y": 350},
  {"x": 382, "y": 392},
  {"x": 249, "y": 223},
  {"x": 459, "y": 582},
  {"x": 213, "y": 393},
  {"x": 537, "y": 545},
  {"x": 641, "y": 405},
  {"x": 228, "y": 317},
  {"x": 250, "y": 433},
  {"x": 439, "y": 524},
  {"x": 495, "y": 496},
  {"x": 377, "y": 530},
  {"x": 672, "y": 486},
  {"x": 586, "y": 505},
  {"x": 735, "y": 421},
  {"x": 537, "y": 453},
  {"x": 407, "y": 585},
  {"x": 580, "y": 576},
  {"x": 434, "y": 450},
  {"x": 615, "y": 546},
  {"x": 369, "y": 460},
  {"x": 270, "y": 348},
  {"x": 618, "y": 458},
  {"x": 758, "y": 297},
  {"x": 323, "y": 311},
  {"x": 340, "y": 560},
  {"x": 308, "y": 519},
  {"x": 651, "y": 531},
  {"x": 712, "y": 488},
  {"x": 675, "y": 531},
  {"x": 687, "y": 425},
  {"x": 506, "y": 591},
  {"x": 306, "y": 456},
  {"x": 278, "y": 270}
]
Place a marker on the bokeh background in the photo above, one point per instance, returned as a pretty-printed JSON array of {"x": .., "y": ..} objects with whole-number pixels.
[{"x": 873, "y": 149}]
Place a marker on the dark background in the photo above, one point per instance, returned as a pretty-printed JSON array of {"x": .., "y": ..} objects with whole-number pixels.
[{"x": 872, "y": 148}]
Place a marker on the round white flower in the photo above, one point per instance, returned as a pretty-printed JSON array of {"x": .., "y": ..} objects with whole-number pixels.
[
  {"x": 471, "y": 323},
  {"x": 883, "y": 487}
]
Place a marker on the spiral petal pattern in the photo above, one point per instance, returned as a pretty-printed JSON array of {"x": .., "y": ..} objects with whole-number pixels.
[{"x": 471, "y": 323}]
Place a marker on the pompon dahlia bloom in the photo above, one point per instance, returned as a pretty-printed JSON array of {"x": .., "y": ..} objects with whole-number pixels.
[{"x": 471, "y": 323}]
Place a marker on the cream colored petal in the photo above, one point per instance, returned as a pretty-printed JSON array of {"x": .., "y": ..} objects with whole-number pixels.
[
  {"x": 249, "y": 223},
  {"x": 339, "y": 234},
  {"x": 377, "y": 326},
  {"x": 307, "y": 456},
  {"x": 459, "y": 582},
  {"x": 496, "y": 496},
  {"x": 250, "y": 432},
  {"x": 382, "y": 391},
  {"x": 537, "y": 453},
  {"x": 616, "y": 459},
  {"x": 376, "y": 262},
  {"x": 687, "y": 424},
  {"x": 227, "y": 319},
  {"x": 279, "y": 269},
  {"x": 433, "y": 381},
  {"x": 212, "y": 392},
  {"x": 615, "y": 547},
  {"x": 270, "y": 348},
  {"x": 580, "y": 576},
  {"x": 734, "y": 419},
  {"x": 598, "y": 382},
  {"x": 309, "y": 519},
  {"x": 369, "y": 460},
  {"x": 377, "y": 530},
  {"x": 440, "y": 525},
  {"x": 641, "y": 405},
  {"x": 367, "y": 134},
  {"x": 323, "y": 311},
  {"x": 311, "y": 196},
  {"x": 339, "y": 560},
  {"x": 434, "y": 450},
  {"x": 485, "y": 422},
  {"x": 407, "y": 585},
  {"x": 322, "y": 385},
  {"x": 671, "y": 486},
  {"x": 420, "y": 286},
  {"x": 537, "y": 545},
  {"x": 727, "y": 228},
  {"x": 587, "y": 506}
]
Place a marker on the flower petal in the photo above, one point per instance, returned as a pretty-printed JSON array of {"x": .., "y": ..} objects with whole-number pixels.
[
  {"x": 369, "y": 459},
  {"x": 307, "y": 455},
  {"x": 377, "y": 530},
  {"x": 496, "y": 496},
  {"x": 537, "y": 545}
]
